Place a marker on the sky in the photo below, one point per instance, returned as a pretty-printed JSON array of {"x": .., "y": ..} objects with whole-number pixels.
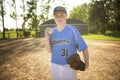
[{"x": 69, "y": 4}]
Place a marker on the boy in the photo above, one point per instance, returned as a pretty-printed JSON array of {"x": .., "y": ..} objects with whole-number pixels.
[{"x": 62, "y": 42}]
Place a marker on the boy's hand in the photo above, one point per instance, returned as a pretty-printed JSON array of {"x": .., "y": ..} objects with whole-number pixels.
[
  {"x": 86, "y": 57},
  {"x": 48, "y": 32},
  {"x": 86, "y": 66}
]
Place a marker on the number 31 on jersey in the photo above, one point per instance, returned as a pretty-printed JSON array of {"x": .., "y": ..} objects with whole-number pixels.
[{"x": 64, "y": 52}]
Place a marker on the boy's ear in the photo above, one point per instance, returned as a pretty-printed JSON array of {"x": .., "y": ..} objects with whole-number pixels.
[{"x": 67, "y": 17}]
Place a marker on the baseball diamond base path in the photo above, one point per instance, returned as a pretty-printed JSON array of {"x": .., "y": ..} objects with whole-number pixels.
[{"x": 27, "y": 59}]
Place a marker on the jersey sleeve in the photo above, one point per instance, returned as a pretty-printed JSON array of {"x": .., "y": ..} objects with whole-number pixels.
[{"x": 79, "y": 42}]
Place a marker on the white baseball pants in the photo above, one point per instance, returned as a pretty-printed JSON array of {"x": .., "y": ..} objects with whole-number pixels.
[{"x": 63, "y": 72}]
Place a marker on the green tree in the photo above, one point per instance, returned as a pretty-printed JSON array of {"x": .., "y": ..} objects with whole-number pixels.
[
  {"x": 23, "y": 15},
  {"x": 104, "y": 15},
  {"x": 32, "y": 18},
  {"x": 45, "y": 7},
  {"x": 80, "y": 13},
  {"x": 97, "y": 17},
  {"x": 2, "y": 13},
  {"x": 91, "y": 19},
  {"x": 113, "y": 10},
  {"x": 14, "y": 14}
]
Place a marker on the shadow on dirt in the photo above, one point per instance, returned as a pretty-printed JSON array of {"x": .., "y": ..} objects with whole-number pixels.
[{"x": 16, "y": 47}]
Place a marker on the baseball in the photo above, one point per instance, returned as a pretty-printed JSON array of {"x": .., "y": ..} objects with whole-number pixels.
[{"x": 50, "y": 31}]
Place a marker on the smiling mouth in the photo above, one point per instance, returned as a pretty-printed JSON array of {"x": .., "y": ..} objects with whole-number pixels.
[{"x": 59, "y": 21}]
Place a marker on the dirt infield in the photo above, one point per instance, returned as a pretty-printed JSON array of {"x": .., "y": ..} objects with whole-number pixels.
[{"x": 27, "y": 59}]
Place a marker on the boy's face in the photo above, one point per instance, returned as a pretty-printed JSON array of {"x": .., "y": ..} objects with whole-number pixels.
[{"x": 60, "y": 18}]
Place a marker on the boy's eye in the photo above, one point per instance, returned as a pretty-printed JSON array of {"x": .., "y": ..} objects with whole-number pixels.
[{"x": 59, "y": 16}]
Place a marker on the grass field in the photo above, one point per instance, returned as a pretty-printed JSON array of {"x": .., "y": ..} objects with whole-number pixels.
[
  {"x": 13, "y": 34},
  {"x": 107, "y": 36},
  {"x": 100, "y": 37}
]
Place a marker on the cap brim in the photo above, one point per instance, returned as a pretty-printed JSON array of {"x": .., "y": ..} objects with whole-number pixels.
[{"x": 59, "y": 13}]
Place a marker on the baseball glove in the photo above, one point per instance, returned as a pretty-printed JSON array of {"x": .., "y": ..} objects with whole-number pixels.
[{"x": 75, "y": 62}]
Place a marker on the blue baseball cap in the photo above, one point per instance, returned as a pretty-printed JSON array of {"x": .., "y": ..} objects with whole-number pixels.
[{"x": 59, "y": 9}]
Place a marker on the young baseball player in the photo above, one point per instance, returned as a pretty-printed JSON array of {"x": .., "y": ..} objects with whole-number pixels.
[{"x": 63, "y": 41}]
